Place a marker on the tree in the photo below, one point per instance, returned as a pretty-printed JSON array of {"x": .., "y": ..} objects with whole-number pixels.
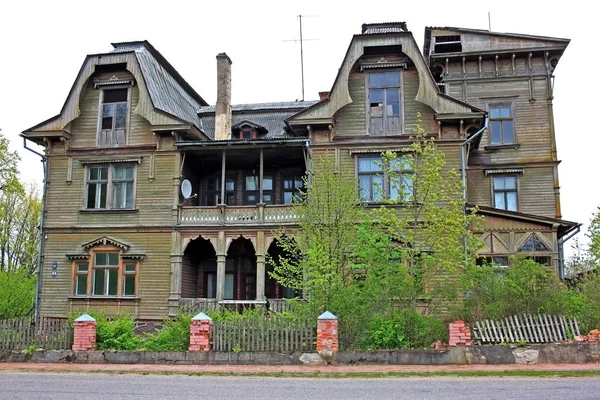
[
  {"x": 8, "y": 163},
  {"x": 593, "y": 234}
]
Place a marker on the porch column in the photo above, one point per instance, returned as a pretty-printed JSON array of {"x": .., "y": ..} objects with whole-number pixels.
[
  {"x": 260, "y": 179},
  {"x": 260, "y": 277},
  {"x": 222, "y": 178},
  {"x": 221, "y": 276}
]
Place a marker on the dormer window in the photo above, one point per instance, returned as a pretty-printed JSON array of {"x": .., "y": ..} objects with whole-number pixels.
[
  {"x": 385, "y": 113},
  {"x": 247, "y": 134},
  {"x": 114, "y": 107}
]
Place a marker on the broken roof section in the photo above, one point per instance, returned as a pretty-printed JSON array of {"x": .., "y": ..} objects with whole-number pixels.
[
  {"x": 479, "y": 40},
  {"x": 162, "y": 88},
  {"x": 269, "y": 116}
]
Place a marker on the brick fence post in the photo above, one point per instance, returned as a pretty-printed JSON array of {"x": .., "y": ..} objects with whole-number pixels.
[
  {"x": 459, "y": 334},
  {"x": 84, "y": 333},
  {"x": 327, "y": 334},
  {"x": 200, "y": 332}
]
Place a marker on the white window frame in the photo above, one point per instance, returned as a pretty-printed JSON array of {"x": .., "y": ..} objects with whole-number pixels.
[{"x": 110, "y": 181}]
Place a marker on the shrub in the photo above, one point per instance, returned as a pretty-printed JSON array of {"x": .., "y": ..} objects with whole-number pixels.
[
  {"x": 174, "y": 336},
  {"x": 17, "y": 293},
  {"x": 114, "y": 333}
]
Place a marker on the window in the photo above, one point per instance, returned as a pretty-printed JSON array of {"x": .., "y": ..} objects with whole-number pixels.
[
  {"x": 113, "y": 117},
  {"x": 247, "y": 134},
  {"x": 292, "y": 184},
  {"x": 116, "y": 180},
  {"x": 376, "y": 184},
  {"x": 251, "y": 192},
  {"x": 497, "y": 261},
  {"x": 501, "y": 124},
  {"x": 105, "y": 274},
  {"x": 212, "y": 194},
  {"x": 384, "y": 102},
  {"x": 505, "y": 192},
  {"x": 81, "y": 279},
  {"x": 448, "y": 44},
  {"x": 129, "y": 277},
  {"x": 534, "y": 243}
]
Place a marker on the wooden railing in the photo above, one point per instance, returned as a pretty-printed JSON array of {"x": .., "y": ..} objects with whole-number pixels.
[
  {"x": 539, "y": 328},
  {"x": 264, "y": 334},
  {"x": 194, "y": 306},
  {"x": 237, "y": 215},
  {"x": 47, "y": 333}
]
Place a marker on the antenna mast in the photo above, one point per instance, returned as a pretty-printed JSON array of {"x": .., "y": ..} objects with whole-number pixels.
[
  {"x": 301, "y": 56},
  {"x": 489, "y": 21}
]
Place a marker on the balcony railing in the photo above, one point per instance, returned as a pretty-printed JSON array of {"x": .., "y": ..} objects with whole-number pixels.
[{"x": 237, "y": 215}]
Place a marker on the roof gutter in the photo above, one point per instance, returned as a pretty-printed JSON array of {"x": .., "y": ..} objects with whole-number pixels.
[{"x": 561, "y": 255}]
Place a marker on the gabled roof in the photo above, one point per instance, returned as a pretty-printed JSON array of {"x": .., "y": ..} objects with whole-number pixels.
[
  {"x": 270, "y": 116},
  {"x": 168, "y": 92}
]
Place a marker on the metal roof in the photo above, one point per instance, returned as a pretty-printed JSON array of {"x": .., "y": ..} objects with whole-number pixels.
[
  {"x": 168, "y": 91},
  {"x": 384, "y": 27},
  {"x": 271, "y": 116}
]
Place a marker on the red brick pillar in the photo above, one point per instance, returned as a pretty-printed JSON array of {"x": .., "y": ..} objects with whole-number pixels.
[
  {"x": 327, "y": 332},
  {"x": 84, "y": 333},
  {"x": 459, "y": 334},
  {"x": 200, "y": 331}
]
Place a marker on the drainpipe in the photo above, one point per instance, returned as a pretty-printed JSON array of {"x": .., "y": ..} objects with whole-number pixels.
[
  {"x": 41, "y": 242},
  {"x": 561, "y": 255}
]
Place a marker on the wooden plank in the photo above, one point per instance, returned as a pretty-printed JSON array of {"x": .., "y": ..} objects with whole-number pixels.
[
  {"x": 576, "y": 326},
  {"x": 529, "y": 329},
  {"x": 555, "y": 328},
  {"x": 518, "y": 333},
  {"x": 484, "y": 337},
  {"x": 537, "y": 328}
]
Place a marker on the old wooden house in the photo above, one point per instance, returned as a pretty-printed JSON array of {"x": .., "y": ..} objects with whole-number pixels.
[{"x": 154, "y": 199}]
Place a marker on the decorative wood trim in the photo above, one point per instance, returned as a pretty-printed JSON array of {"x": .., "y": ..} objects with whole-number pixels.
[
  {"x": 151, "y": 168},
  {"x": 105, "y": 240},
  {"x": 137, "y": 160},
  {"x": 69, "y": 170}
]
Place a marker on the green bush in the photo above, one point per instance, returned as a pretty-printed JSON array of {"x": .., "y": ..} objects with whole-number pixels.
[
  {"x": 174, "y": 336},
  {"x": 17, "y": 293},
  {"x": 115, "y": 333},
  {"x": 407, "y": 330}
]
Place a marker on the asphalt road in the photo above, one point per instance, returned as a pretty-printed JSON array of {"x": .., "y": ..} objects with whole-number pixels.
[{"x": 67, "y": 386}]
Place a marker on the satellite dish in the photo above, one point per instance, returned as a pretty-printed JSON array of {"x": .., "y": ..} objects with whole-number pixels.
[{"x": 186, "y": 189}]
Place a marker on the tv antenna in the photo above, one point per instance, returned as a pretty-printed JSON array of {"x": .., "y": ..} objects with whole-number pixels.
[{"x": 302, "y": 40}]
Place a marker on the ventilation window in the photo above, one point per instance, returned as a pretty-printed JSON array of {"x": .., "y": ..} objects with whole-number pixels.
[
  {"x": 448, "y": 44},
  {"x": 382, "y": 50}
]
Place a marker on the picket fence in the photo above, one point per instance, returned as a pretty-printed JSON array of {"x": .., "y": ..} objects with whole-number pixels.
[
  {"x": 46, "y": 333},
  {"x": 264, "y": 334},
  {"x": 541, "y": 328}
]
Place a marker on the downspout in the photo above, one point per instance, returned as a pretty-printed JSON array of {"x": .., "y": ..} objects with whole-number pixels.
[
  {"x": 561, "y": 255},
  {"x": 41, "y": 241},
  {"x": 463, "y": 166}
]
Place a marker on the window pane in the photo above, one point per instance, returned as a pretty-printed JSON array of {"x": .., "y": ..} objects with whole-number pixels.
[
  {"x": 511, "y": 201},
  {"x": 129, "y": 195},
  {"x": 102, "y": 187},
  {"x": 113, "y": 259},
  {"x": 130, "y": 268},
  {"x": 113, "y": 275},
  {"x": 368, "y": 164},
  {"x": 103, "y": 173},
  {"x": 288, "y": 184},
  {"x": 494, "y": 112},
  {"x": 499, "y": 200},
  {"x": 107, "y": 111},
  {"x": 100, "y": 259},
  {"x": 251, "y": 183},
  {"x": 505, "y": 112},
  {"x": 81, "y": 285},
  {"x": 82, "y": 267},
  {"x": 91, "y": 199},
  {"x": 230, "y": 199},
  {"x": 230, "y": 184},
  {"x": 496, "y": 132},
  {"x": 129, "y": 285},
  {"x": 121, "y": 115},
  {"x": 267, "y": 198},
  {"x": 377, "y": 188},
  {"x": 364, "y": 184},
  {"x": 99, "y": 282},
  {"x": 117, "y": 195},
  {"x": 287, "y": 197},
  {"x": 376, "y": 97},
  {"x": 267, "y": 183},
  {"x": 510, "y": 182},
  {"x": 388, "y": 79},
  {"x": 298, "y": 183},
  {"x": 107, "y": 123},
  {"x": 507, "y": 131},
  {"x": 228, "y": 295},
  {"x": 499, "y": 183},
  {"x": 115, "y": 96},
  {"x": 251, "y": 199}
]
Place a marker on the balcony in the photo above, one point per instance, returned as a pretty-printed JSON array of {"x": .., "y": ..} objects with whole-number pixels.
[{"x": 237, "y": 215}]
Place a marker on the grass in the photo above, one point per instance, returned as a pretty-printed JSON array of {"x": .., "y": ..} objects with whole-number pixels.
[{"x": 346, "y": 375}]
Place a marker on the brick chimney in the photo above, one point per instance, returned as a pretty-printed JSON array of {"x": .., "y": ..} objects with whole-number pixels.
[{"x": 223, "y": 108}]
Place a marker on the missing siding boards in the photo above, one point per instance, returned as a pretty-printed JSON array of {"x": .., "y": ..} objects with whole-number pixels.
[
  {"x": 382, "y": 50},
  {"x": 448, "y": 44}
]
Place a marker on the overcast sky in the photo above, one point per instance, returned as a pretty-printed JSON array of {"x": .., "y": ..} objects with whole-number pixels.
[{"x": 44, "y": 44}]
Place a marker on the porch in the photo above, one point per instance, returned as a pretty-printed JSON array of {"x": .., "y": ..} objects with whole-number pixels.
[{"x": 246, "y": 184}]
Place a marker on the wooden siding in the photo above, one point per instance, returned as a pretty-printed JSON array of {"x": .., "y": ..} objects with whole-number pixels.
[
  {"x": 536, "y": 190},
  {"x": 351, "y": 119},
  {"x": 154, "y": 279},
  {"x": 154, "y": 197},
  {"x": 189, "y": 277},
  {"x": 84, "y": 128}
]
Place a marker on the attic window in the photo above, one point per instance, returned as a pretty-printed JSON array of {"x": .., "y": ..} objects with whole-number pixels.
[
  {"x": 382, "y": 50},
  {"x": 448, "y": 44},
  {"x": 247, "y": 133}
]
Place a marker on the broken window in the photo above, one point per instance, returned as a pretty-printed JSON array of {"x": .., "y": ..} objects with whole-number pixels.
[
  {"x": 384, "y": 102},
  {"x": 505, "y": 192},
  {"x": 501, "y": 124},
  {"x": 113, "y": 118},
  {"x": 448, "y": 44},
  {"x": 534, "y": 243}
]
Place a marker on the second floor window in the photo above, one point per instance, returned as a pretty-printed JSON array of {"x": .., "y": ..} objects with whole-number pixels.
[
  {"x": 377, "y": 183},
  {"x": 110, "y": 186},
  {"x": 505, "y": 192},
  {"x": 251, "y": 192},
  {"x": 501, "y": 124},
  {"x": 292, "y": 184},
  {"x": 113, "y": 118},
  {"x": 384, "y": 103}
]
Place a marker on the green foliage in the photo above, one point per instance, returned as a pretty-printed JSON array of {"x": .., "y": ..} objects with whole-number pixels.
[
  {"x": 17, "y": 293},
  {"x": 115, "y": 333},
  {"x": 174, "y": 335},
  {"x": 593, "y": 234},
  {"x": 30, "y": 349},
  {"x": 406, "y": 330},
  {"x": 228, "y": 315}
]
